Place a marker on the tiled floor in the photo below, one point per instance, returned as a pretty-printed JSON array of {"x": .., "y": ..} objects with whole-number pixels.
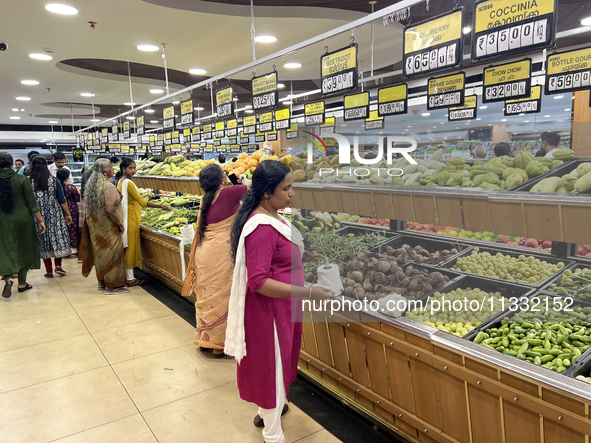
[{"x": 79, "y": 366}]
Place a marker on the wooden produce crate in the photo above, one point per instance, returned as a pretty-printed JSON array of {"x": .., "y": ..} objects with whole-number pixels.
[{"x": 171, "y": 184}]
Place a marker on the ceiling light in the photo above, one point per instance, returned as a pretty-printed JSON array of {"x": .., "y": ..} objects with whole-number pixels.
[
  {"x": 15, "y": 109},
  {"x": 197, "y": 71},
  {"x": 521, "y": 115},
  {"x": 504, "y": 120},
  {"x": 53, "y": 122},
  {"x": 526, "y": 121},
  {"x": 546, "y": 116},
  {"x": 483, "y": 107},
  {"x": 410, "y": 126},
  {"x": 176, "y": 116},
  {"x": 94, "y": 120},
  {"x": 38, "y": 56},
  {"x": 175, "y": 102},
  {"x": 442, "y": 123},
  {"x": 29, "y": 82},
  {"x": 586, "y": 21},
  {"x": 265, "y": 39},
  {"x": 199, "y": 108},
  {"x": 148, "y": 48},
  {"x": 434, "y": 127},
  {"x": 567, "y": 109},
  {"x": 149, "y": 111},
  {"x": 292, "y": 65},
  {"x": 249, "y": 111},
  {"x": 235, "y": 99},
  {"x": 478, "y": 119},
  {"x": 86, "y": 94},
  {"x": 24, "y": 99},
  {"x": 343, "y": 124},
  {"x": 356, "y": 132},
  {"x": 156, "y": 91},
  {"x": 288, "y": 102},
  {"x": 426, "y": 114},
  {"x": 153, "y": 121},
  {"x": 129, "y": 104},
  {"x": 558, "y": 97},
  {"x": 467, "y": 30},
  {"x": 130, "y": 117},
  {"x": 61, "y": 9},
  {"x": 280, "y": 86},
  {"x": 14, "y": 117},
  {"x": 248, "y": 107}
]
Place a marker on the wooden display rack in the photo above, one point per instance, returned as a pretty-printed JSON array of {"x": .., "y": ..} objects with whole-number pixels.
[{"x": 186, "y": 185}]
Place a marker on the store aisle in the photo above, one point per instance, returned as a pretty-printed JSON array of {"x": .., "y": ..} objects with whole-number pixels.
[{"x": 79, "y": 366}]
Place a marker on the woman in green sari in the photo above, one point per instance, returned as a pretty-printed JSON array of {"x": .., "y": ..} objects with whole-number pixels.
[
  {"x": 19, "y": 244},
  {"x": 102, "y": 241}
]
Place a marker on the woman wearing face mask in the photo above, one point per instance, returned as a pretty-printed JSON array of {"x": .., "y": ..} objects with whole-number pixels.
[
  {"x": 132, "y": 203},
  {"x": 263, "y": 333},
  {"x": 102, "y": 240}
]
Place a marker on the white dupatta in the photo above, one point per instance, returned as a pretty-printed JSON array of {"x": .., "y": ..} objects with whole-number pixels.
[
  {"x": 235, "y": 344},
  {"x": 124, "y": 202}
]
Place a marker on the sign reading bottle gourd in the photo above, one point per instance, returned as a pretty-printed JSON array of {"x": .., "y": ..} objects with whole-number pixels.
[
  {"x": 568, "y": 71},
  {"x": 314, "y": 113},
  {"x": 339, "y": 71},
  {"x": 466, "y": 112},
  {"x": 225, "y": 102},
  {"x": 265, "y": 94},
  {"x": 508, "y": 27},
  {"x": 508, "y": 81},
  {"x": 434, "y": 45},
  {"x": 168, "y": 117},
  {"x": 392, "y": 100},
  {"x": 186, "y": 113},
  {"x": 443, "y": 92},
  {"x": 528, "y": 105}
]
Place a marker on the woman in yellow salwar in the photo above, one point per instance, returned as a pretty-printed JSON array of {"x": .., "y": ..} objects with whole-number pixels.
[
  {"x": 132, "y": 204},
  {"x": 101, "y": 245},
  {"x": 210, "y": 268}
]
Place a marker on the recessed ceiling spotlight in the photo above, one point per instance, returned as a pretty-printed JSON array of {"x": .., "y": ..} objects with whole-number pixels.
[
  {"x": 199, "y": 108},
  {"x": 148, "y": 48},
  {"x": 343, "y": 124},
  {"x": 175, "y": 102},
  {"x": 526, "y": 121},
  {"x": 53, "y": 122},
  {"x": 434, "y": 127},
  {"x": 265, "y": 39},
  {"x": 567, "y": 109},
  {"x": 235, "y": 99},
  {"x": 504, "y": 120},
  {"x": 86, "y": 94},
  {"x": 280, "y": 86},
  {"x": 249, "y": 111},
  {"x": 197, "y": 71},
  {"x": 14, "y": 117},
  {"x": 130, "y": 117},
  {"x": 156, "y": 91},
  {"x": 61, "y": 9},
  {"x": 15, "y": 109},
  {"x": 128, "y": 104},
  {"x": 23, "y": 99},
  {"x": 546, "y": 116},
  {"x": 426, "y": 114},
  {"x": 478, "y": 119},
  {"x": 95, "y": 120},
  {"x": 292, "y": 65},
  {"x": 153, "y": 121},
  {"x": 521, "y": 115},
  {"x": 442, "y": 123},
  {"x": 467, "y": 30},
  {"x": 483, "y": 107},
  {"x": 558, "y": 97},
  {"x": 248, "y": 107},
  {"x": 586, "y": 21},
  {"x": 410, "y": 126},
  {"x": 38, "y": 56},
  {"x": 29, "y": 82},
  {"x": 149, "y": 111}
]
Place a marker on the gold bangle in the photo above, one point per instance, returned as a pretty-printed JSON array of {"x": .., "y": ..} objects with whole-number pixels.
[{"x": 310, "y": 295}]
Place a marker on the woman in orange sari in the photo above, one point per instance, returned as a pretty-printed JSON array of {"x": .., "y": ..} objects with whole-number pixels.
[{"x": 210, "y": 268}]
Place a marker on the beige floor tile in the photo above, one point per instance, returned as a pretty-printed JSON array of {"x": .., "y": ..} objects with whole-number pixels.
[
  {"x": 85, "y": 295},
  {"x": 113, "y": 315},
  {"x": 320, "y": 437},
  {"x": 170, "y": 375},
  {"x": 63, "y": 407},
  {"x": 35, "y": 364},
  {"x": 41, "y": 329},
  {"x": 147, "y": 337},
  {"x": 220, "y": 416},
  {"x": 39, "y": 301},
  {"x": 129, "y": 430}
]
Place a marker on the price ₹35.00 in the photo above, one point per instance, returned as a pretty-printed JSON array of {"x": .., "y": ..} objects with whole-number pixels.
[{"x": 338, "y": 82}]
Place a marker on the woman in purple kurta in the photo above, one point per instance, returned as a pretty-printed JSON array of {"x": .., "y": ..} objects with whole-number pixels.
[
  {"x": 264, "y": 330},
  {"x": 73, "y": 198}
]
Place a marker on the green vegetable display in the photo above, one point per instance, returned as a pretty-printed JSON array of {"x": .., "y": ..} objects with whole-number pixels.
[
  {"x": 529, "y": 270},
  {"x": 573, "y": 284},
  {"x": 545, "y": 334}
]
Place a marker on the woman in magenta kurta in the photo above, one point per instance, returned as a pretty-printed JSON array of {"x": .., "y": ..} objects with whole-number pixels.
[{"x": 264, "y": 250}]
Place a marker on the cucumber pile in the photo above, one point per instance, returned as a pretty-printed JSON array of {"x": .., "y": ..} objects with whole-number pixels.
[
  {"x": 573, "y": 284},
  {"x": 316, "y": 224},
  {"x": 546, "y": 334}
]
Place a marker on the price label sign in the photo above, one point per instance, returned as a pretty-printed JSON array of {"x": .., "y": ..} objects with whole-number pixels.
[
  {"x": 329, "y": 126},
  {"x": 152, "y": 141},
  {"x": 207, "y": 149},
  {"x": 265, "y": 94},
  {"x": 528, "y": 105},
  {"x": 219, "y": 129},
  {"x": 568, "y": 71},
  {"x": 217, "y": 141},
  {"x": 339, "y": 71},
  {"x": 266, "y": 122},
  {"x": 393, "y": 100},
  {"x": 175, "y": 138},
  {"x": 466, "y": 112},
  {"x": 196, "y": 134},
  {"x": 104, "y": 135},
  {"x": 140, "y": 125},
  {"x": 434, "y": 45},
  {"x": 252, "y": 148},
  {"x": 186, "y": 135},
  {"x": 168, "y": 138},
  {"x": 232, "y": 128},
  {"x": 374, "y": 121},
  {"x": 168, "y": 117},
  {"x": 443, "y": 92},
  {"x": 508, "y": 81},
  {"x": 314, "y": 113},
  {"x": 293, "y": 131},
  {"x": 259, "y": 137},
  {"x": 126, "y": 130},
  {"x": 356, "y": 106},
  {"x": 206, "y": 134},
  {"x": 160, "y": 140},
  {"x": 272, "y": 136},
  {"x": 114, "y": 133},
  {"x": 114, "y": 148},
  {"x": 249, "y": 124},
  {"x": 176, "y": 148},
  {"x": 244, "y": 139},
  {"x": 186, "y": 113},
  {"x": 503, "y": 28},
  {"x": 224, "y": 102},
  {"x": 282, "y": 119},
  {"x": 195, "y": 148}
]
